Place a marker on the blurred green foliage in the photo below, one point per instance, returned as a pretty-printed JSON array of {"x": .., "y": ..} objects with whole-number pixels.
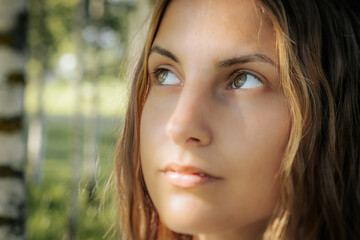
[
  {"x": 59, "y": 98},
  {"x": 64, "y": 33},
  {"x": 57, "y": 27},
  {"x": 48, "y": 203}
]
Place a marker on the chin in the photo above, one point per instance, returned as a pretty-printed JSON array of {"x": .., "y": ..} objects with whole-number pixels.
[
  {"x": 185, "y": 225},
  {"x": 189, "y": 218}
]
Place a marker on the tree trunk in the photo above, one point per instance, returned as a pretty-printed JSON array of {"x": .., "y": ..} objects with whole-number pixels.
[
  {"x": 96, "y": 11},
  {"x": 91, "y": 136},
  {"x": 12, "y": 140},
  {"x": 77, "y": 129},
  {"x": 37, "y": 127}
]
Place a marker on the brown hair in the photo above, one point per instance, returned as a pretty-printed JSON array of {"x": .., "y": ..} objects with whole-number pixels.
[{"x": 318, "y": 44}]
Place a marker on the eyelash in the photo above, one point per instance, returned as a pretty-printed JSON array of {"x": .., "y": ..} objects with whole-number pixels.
[
  {"x": 155, "y": 74},
  {"x": 157, "y": 71}
]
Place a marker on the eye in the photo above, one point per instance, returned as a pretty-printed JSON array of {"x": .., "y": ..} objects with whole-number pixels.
[
  {"x": 165, "y": 77},
  {"x": 245, "y": 80}
]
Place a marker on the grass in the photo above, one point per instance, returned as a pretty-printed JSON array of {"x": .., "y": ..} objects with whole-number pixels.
[{"x": 48, "y": 202}]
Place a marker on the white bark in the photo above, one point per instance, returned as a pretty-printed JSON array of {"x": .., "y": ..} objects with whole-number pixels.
[
  {"x": 11, "y": 97},
  {"x": 11, "y": 100},
  {"x": 12, "y": 149},
  {"x": 37, "y": 134},
  {"x": 77, "y": 133},
  {"x": 12, "y": 200},
  {"x": 9, "y": 13},
  {"x": 11, "y": 61},
  {"x": 12, "y": 195},
  {"x": 91, "y": 134},
  {"x": 12, "y": 144},
  {"x": 7, "y": 233},
  {"x": 36, "y": 148}
]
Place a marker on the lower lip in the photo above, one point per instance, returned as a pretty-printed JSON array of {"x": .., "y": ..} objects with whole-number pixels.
[{"x": 184, "y": 180}]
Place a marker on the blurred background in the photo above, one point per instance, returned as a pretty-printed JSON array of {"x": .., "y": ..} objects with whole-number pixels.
[{"x": 63, "y": 89}]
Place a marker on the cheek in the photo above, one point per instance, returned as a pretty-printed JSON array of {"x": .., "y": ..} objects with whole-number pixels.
[
  {"x": 148, "y": 129},
  {"x": 152, "y": 129},
  {"x": 255, "y": 138},
  {"x": 259, "y": 126}
]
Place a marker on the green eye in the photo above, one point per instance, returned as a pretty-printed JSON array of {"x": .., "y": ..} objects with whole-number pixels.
[
  {"x": 239, "y": 81},
  {"x": 245, "y": 81},
  {"x": 162, "y": 76}
]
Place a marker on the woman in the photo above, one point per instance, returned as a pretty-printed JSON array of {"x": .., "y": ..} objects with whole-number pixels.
[{"x": 242, "y": 123}]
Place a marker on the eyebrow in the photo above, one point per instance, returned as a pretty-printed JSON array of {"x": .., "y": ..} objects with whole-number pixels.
[
  {"x": 257, "y": 57},
  {"x": 164, "y": 52}
]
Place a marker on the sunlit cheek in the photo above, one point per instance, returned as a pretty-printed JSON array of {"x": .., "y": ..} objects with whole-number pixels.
[{"x": 153, "y": 144}]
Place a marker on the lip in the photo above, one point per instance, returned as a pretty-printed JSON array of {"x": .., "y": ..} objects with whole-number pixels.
[{"x": 186, "y": 176}]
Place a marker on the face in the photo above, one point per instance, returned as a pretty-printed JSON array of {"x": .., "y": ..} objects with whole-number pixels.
[{"x": 215, "y": 123}]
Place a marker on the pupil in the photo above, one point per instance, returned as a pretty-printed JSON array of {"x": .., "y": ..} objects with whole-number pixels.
[{"x": 240, "y": 80}]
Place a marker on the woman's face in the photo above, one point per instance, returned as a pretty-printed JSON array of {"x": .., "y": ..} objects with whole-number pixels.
[{"x": 215, "y": 123}]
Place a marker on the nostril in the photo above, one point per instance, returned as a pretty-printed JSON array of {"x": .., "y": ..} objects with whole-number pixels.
[{"x": 192, "y": 139}]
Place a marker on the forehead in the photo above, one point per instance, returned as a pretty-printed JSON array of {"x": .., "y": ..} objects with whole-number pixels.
[{"x": 224, "y": 26}]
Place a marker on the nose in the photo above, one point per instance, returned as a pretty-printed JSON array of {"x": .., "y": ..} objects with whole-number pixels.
[{"x": 189, "y": 123}]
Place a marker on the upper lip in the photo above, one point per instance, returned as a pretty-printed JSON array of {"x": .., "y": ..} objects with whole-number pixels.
[{"x": 186, "y": 169}]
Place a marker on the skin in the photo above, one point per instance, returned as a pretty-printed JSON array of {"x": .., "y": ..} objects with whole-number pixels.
[{"x": 236, "y": 134}]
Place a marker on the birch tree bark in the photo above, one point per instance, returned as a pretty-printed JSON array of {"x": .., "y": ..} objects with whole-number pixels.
[
  {"x": 37, "y": 127},
  {"x": 96, "y": 12},
  {"x": 12, "y": 142},
  {"x": 77, "y": 128}
]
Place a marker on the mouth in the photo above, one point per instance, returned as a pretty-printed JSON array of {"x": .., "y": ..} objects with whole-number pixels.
[{"x": 185, "y": 176}]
